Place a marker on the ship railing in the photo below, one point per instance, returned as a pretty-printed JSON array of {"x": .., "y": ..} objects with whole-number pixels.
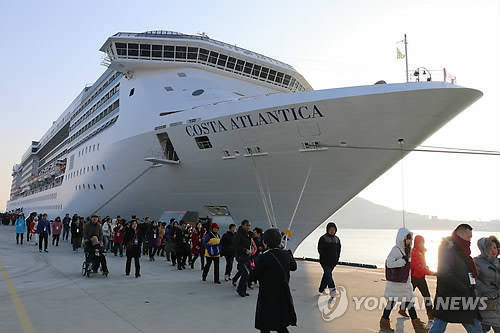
[{"x": 422, "y": 74}]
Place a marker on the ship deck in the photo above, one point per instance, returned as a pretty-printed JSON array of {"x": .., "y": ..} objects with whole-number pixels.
[{"x": 45, "y": 293}]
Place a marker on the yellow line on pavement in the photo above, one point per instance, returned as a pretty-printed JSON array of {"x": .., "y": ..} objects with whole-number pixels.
[{"x": 24, "y": 320}]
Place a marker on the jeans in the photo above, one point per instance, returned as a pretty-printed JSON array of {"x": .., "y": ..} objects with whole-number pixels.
[
  {"x": 105, "y": 241},
  {"x": 487, "y": 328},
  {"x": 243, "y": 271},
  {"x": 229, "y": 265},
  {"x": 137, "y": 265},
  {"x": 65, "y": 233},
  {"x": 440, "y": 326},
  {"x": 207, "y": 268},
  {"x": 17, "y": 238},
  {"x": 44, "y": 238},
  {"x": 55, "y": 239},
  {"x": 327, "y": 279}
]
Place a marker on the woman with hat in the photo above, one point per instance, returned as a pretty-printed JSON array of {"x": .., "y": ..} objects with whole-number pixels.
[{"x": 212, "y": 252}]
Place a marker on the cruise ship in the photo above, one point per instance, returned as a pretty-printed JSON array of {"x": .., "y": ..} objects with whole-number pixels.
[{"x": 181, "y": 122}]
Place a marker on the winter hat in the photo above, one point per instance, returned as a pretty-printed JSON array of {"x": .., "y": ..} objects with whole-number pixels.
[
  {"x": 214, "y": 225},
  {"x": 330, "y": 225}
]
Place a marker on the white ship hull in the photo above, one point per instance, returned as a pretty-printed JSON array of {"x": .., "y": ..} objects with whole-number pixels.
[{"x": 265, "y": 187}]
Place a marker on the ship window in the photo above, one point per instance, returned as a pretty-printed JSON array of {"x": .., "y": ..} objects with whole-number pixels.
[
  {"x": 203, "y": 55},
  {"x": 168, "y": 52},
  {"x": 292, "y": 82},
  {"x": 198, "y": 92},
  {"x": 222, "y": 60},
  {"x": 181, "y": 74},
  {"x": 256, "y": 70},
  {"x": 92, "y": 169},
  {"x": 203, "y": 142},
  {"x": 279, "y": 77},
  {"x": 180, "y": 52},
  {"x": 286, "y": 81},
  {"x": 102, "y": 187},
  {"x": 121, "y": 49},
  {"x": 76, "y": 187},
  {"x": 131, "y": 92},
  {"x": 239, "y": 65},
  {"x": 213, "y": 57},
  {"x": 145, "y": 50},
  {"x": 88, "y": 186},
  {"x": 192, "y": 53},
  {"x": 133, "y": 50},
  {"x": 272, "y": 75},
  {"x": 156, "y": 51},
  {"x": 98, "y": 144},
  {"x": 248, "y": 68},
  {"x": 88, "y": 169},
  {"x": 231, "y": 62},
  {"x": 97, "y": 167},
  {"x": 93, "y": 147},
  {"x": 103, "y": 168},
  {"x": 264, "y": 72},
  {"x": 95, "y": 188},
  {"x": 169, "y": 88}
]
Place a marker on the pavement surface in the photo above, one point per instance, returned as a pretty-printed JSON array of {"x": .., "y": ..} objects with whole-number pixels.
[{"x": 46, "y": 293}]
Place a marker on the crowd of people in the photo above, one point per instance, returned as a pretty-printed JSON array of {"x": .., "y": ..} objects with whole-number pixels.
[
  {"x": 468, "y": 289},
  {"x": 260, "y": 257}
]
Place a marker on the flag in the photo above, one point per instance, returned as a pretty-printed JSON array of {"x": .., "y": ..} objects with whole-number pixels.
[{"x": 399, "y": 54}]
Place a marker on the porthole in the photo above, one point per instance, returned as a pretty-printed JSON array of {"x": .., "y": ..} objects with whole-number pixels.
[
  {"x": 131, "y": 93},
  {"x": 97, "y": 167},
  {"x": 198, "y": 92},
  {"x": 103, "y": 168},
  {"x": 88, "y": 169},
  {"x": 98, "y": 147},
  {"x": 93, "y": 148},
  {"x": 95, "y": 188},
  {"x": 88, "y": 186},
  {"x": 102, "y": 187},
  {"x": 92, "y": 169}
]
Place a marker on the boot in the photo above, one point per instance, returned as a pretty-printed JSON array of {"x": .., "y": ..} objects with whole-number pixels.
[
  {"x": 418, "y": 326},
  {"x": 385, "y": 325}
]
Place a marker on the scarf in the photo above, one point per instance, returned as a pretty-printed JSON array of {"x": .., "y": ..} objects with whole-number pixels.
[{"x": 464, "y": 247}]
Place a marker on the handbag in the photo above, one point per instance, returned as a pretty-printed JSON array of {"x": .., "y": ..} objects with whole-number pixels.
[{"x": 398, "y": 274}]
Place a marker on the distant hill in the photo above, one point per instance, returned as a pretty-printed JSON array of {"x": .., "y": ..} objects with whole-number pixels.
[{"x": 363, "y": 214}]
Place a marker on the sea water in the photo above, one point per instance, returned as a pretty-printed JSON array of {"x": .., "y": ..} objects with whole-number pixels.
[{"x": 371, "y": 246}]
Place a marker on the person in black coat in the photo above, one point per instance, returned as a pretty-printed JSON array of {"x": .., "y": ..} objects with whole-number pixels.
[
  {"x": 133, "y": 242},
  {"x": 77, "y": 233},
  {"x": 242, "y": 245},
  {"x": 329, "y": 254},
  {"x": 226, "y": 242},
  {"x": 455, "y": 300},
  {"x": 275, "y": 310}
]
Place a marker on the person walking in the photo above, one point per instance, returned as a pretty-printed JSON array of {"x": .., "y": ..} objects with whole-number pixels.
[
  {"x": 171, "y": 241},
  {"x": 57, "y": 227},
  {"x": 456, "y": 282},
  {"x": 77, "y": 233},
  {"x": 33, "y": 229},
  {"x": 133, "y": 244},
  {"x": 242, "y": 249},
  {"x": 488, "y": 282},
  {"x": 329, "y": 253},
  {"x": 419, "y": 270},
  {"x": 274, "y": 310},
  {"x": 118, "y": 238},
  {"x": 153, "y": 235},
  {"x": 398, "y": 286},
  {"x": 198, "y": 249},
  {"x": 228, "y": 250},
  {"x": 212, "y": 252},
  {"x": 180, "y": 247},
  {"x": 66, "y": 222},
  {"x": 43, "y": 230},
  {"x": 20, "y": 229},
  {"x": 106, "y": 233}
]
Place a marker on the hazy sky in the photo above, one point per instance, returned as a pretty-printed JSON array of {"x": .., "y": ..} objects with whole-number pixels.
[{"x": 50, "y": 51}]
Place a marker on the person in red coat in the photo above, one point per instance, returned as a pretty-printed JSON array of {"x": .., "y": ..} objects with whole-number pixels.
[
  {"x": 419, "y": 270},
  {"x": 198, "y": 249},
  {"x": 119, "y": 233}
]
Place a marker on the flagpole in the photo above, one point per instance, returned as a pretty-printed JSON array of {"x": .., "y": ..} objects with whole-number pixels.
[{"x": 406, "y": 58}]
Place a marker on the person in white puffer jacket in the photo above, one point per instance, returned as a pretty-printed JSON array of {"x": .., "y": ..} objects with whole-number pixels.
[{"x": 398, "y": 287}]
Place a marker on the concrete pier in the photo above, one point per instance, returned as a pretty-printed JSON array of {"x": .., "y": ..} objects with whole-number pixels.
[{"x": 46, "y": 293}]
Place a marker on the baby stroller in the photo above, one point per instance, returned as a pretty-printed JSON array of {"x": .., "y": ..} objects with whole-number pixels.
[{"x": 94, "y": 258}]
